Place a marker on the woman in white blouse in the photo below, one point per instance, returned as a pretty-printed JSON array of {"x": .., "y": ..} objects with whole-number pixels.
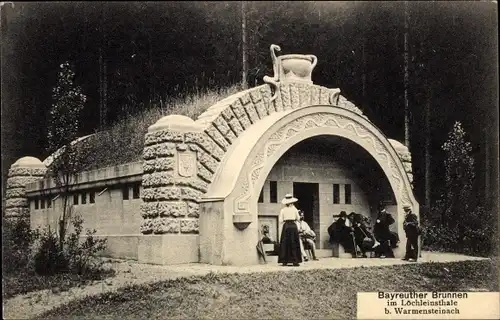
[{"x": 289, "y": 241}]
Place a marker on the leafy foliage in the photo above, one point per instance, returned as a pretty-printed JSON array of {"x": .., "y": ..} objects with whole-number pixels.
[
  {"x": 75, "y": 257},
  {"x": 456, "y": 221},
  {"x": 17, "y": 241}
]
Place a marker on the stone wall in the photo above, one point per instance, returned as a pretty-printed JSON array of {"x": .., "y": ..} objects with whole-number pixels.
[
  {"x": 24, "y": 171},
  {"x": 171, "y": 199}
]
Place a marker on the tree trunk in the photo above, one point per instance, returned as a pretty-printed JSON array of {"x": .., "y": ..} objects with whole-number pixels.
[
  {"x": 427, "y": 151},
  {"x": 244, "y": 46},
  {"x": 363, "y": 76},
  {"x": 101, "y": 104},
  {"x": 406, "y": 77}
]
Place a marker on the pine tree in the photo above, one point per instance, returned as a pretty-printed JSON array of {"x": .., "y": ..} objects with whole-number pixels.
[
  {"x": 63, "y": 129},
  {"x": 459, "y": 178}
]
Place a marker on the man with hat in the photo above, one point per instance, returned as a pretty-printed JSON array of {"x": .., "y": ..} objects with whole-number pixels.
[
  {"x": 342, "y": 233},
  {"x": 289, "y": 241},
  {"x": 412, "y": 230}
]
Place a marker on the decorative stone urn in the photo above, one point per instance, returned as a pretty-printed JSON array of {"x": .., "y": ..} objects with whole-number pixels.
[
  {"x": 290, "y": 68},
  {"x": 298, "y": 67}
]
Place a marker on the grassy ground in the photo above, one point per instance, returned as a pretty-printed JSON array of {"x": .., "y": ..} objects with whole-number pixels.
[
  {"x": 125, "y": 139},
  {"x": 22, "y": 282},
  {"x": 303, "y": 294}
]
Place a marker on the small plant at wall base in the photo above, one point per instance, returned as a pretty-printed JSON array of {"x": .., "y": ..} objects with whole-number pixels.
[
  {"x": 33, "y": 259},
  {"x": 77, "y": 257},
  {"x": 456, "y": 222}
]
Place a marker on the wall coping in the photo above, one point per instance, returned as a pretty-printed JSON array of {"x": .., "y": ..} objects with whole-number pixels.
[{"x": 124, "y": 173}]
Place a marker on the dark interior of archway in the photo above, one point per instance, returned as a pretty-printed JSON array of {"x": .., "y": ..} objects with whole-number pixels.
[{"x": 357, "y": 161}]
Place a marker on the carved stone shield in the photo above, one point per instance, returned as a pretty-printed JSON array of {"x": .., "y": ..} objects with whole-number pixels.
[{"x": 187, "y": 164}]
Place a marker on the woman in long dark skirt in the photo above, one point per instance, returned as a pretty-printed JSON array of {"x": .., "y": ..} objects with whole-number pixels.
[{"x": 290, "y": 240}]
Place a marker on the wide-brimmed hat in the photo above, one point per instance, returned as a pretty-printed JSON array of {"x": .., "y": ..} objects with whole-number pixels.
[
  {"x": 406, "y": 207},
  {"x": 342, "y": 214},
  {"x": 289, "y": 199}
]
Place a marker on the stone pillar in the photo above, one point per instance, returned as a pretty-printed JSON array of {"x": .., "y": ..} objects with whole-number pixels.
[
  {"x": 24, "y": 171},
  {"x": 171, "y": 192}
]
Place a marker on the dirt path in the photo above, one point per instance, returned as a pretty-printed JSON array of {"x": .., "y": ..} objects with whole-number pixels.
[{"x": 128, "y": 273}]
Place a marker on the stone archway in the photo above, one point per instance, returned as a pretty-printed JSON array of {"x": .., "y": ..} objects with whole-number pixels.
[{"x": 237, "y": 184}]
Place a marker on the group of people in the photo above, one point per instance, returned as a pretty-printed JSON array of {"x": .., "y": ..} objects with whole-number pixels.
[{"x": 351, "y": 231}]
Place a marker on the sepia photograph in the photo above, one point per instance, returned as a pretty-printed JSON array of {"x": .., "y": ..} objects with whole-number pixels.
[{"x": 250, "y": 160}]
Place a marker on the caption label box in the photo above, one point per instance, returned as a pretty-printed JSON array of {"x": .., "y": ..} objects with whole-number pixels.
[{"x": 428, "y": 305}]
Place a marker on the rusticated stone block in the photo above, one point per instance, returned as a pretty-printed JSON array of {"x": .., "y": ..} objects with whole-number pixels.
[
  {"x": 224, "y": 129},
  {"x": 20, "y": 181},
  {"x": 17, "y": 212},
  {"x": 172, "y": 208},
  {"x": 245, "y": 99},
  {"x": 405, "y": 156},
  {"x": 191, "y": 194},
  {"x": 168, "y": 193},
  {"x": 148, "y": 194},
  {"x": 407, "y": 166},
  {"x": 304, "y": 95},
  {"x": 181, "y": 147},
  {"x": 189, "y": 226},
  {"x": 213, "y": 133},
  {"x": 166, "y": 225},
  {"x": 256, "y": 95},
  {"x": 252, "y": 113},
  {"x": 169, "y": 136},
  {"x": 20, "y": 171},
  {"x": 286, "y": 99},
  {"x": 204, "y": 173},
  {"x": 166, "y": 149},
  {"x": 324, "y": 97},
  {"x": 241, "y": 114},
  {"x": 198, "y": 184},
  {"x": 236, "y": 126},
  {"x": 294, "y": 95},
  {"x": 228, "y": 113},
  {"x": 209, "y": 162},
  {"x": 149, "y": 210},
  {"x": 315, "y": 95},
  {"x": 148, "y": 166},
  {"x": 165, "y": 164},
  {"x": 205, "y": 142},
  {"x": 16, "y": 202},
  {"x": 157, "y": 179},
  {"x": 149, "y": 152},
  {"x": 147, "y": 226},
  {"x": 193, "y": 210},
  {"x": 15, "y": 192},
  {"x": 261, "y": 109},
  {"x": 265, "y": 92},
  {"x": 410, "y": 176},
  {"x": 221, "y": 125}
]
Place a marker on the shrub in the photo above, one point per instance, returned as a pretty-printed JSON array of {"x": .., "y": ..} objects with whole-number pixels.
[
  {"x": 75, "y": 256},
  {"x": 82, "y": 255},
  {"x": 49, "y": 259},
  {"x": 17, "y": 242}
]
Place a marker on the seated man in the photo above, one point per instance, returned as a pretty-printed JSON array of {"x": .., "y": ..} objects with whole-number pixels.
[
  {"x": 364, "y": 238},
  {"x": 307, "y": 237},
  {"x": 340, "y": 232},
  {"x": 266, "y": 239}
]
